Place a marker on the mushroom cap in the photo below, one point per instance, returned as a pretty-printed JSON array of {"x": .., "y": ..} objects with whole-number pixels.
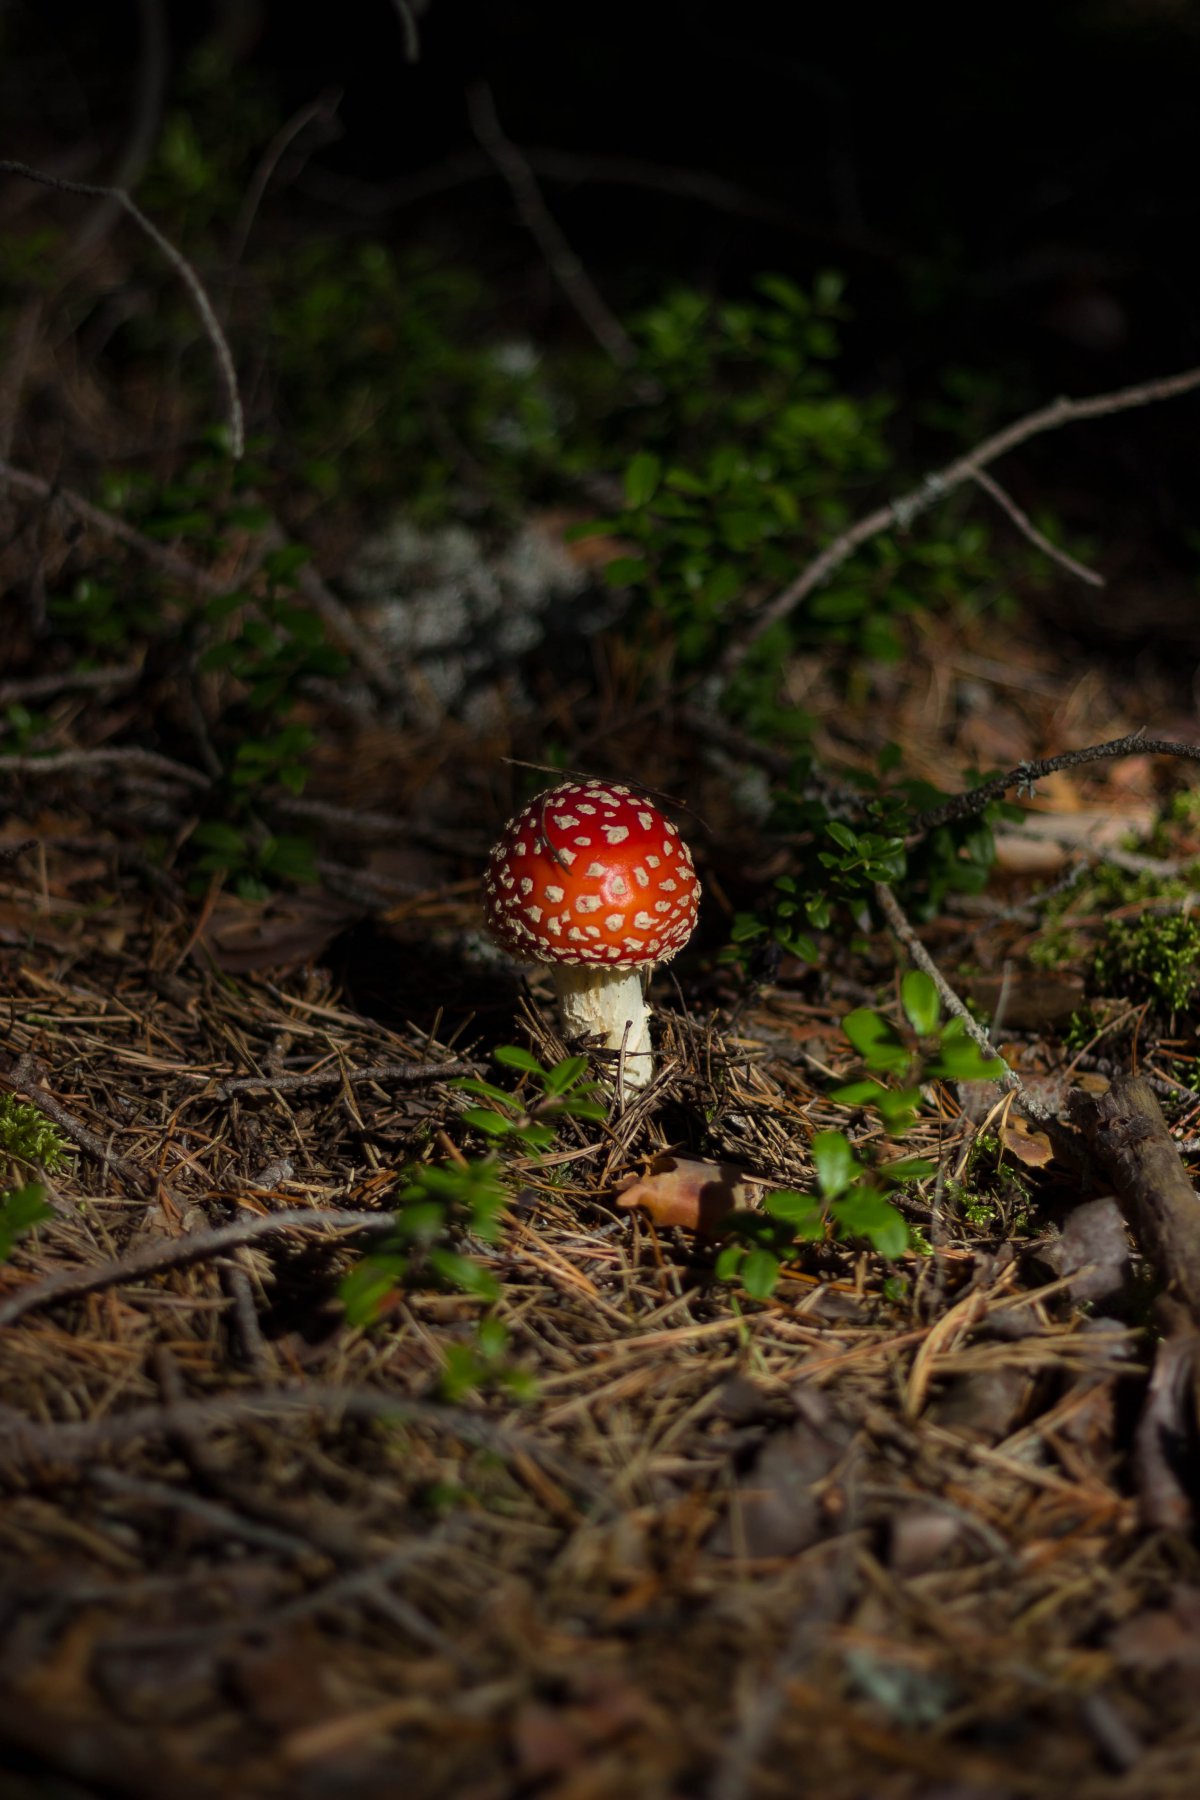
[{"x": 590, "y": 872}]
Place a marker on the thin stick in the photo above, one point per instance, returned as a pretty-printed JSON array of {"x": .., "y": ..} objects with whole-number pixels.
[
  {"x": 335, "y": 1077},
  {"x": 1023, "y": 777},
  {"x": 114, "y": 527},
  {"x": 1027, "y": 528},
  {"x": 69, "y": 681},
  {"x": 408, "y": 25},
  {"x": 1010, "y": 1080},
  {"x": 561, "y": 260},
  {"x": 936, "y": 486},
  {"x": 178, "y": 1253},
  {"x": 91, "y": 762},
  {"x": 20, "y": 1079},
  {"x": 25, "y": 1440},
  {"x": 189, "y": 277}
]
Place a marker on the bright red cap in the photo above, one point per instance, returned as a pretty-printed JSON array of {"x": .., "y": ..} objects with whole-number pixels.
[{"x": 591, "y": 873}]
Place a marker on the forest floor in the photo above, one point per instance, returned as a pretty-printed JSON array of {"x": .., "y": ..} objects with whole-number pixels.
[{"x": 867, "y": 1537}]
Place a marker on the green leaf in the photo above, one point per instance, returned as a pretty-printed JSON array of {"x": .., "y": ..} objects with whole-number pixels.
[
  {"x": 759, "y": 1273},
  {"x": 919, "y": 997},
  {"x": 866, "y": 1214},
  {"x": 642, "y": 478},
  {"x": 835, "y": 1162},
  {"x": 486, "y": 1091},
  {"x": 803, "y": 1212},
  {"x": 20, "y": 1210},
  {"x": 858, "y": 1093},
  {"x": 564, "y": 1073},
  {"x": 512, "y": 1056},
  {"x": 877, "y": 1041},
  {"x": 483, "y": 1119},
  {"x": 462, "y": 1272}
]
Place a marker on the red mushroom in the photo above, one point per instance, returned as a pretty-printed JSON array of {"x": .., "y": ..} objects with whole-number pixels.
[{"x": 592, "y": 879}]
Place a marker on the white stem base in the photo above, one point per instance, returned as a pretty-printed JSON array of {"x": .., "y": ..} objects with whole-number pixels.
[{"x": 609, "y": 1002}]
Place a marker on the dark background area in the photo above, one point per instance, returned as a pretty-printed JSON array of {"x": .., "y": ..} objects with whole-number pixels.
[{"x": 1011, "y": 191}]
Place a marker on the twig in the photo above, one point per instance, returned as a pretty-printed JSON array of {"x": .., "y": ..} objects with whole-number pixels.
[
  {"x": 335, "y": 1077},
  {"x": 152, "y": 1259},
  {"x": 23, "y": 1440},
  {"x": 22, "y": 337},
  {"x": 561, "y": 260},
  {"x": 224, "y": 358},
  {"x": 20, "y": 1079},
  {"x": 901, "y": 512},
  {"x": 1128, "y": 1136},
  {"x": 1009, "y": 1080},
  {"x": 1027, "y": 528},
  {"x": 167, "y": 560},
  {"x": 1023, "y": 777},
  {"x": 149, "y": 94},
  {"x": 70, "y": 681},
  {"x": 408, "y": 25},
  {"x": 91, "y": 762},
  {"x": 323, "y": 110}
]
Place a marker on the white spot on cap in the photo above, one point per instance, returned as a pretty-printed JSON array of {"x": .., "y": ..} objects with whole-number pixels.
[
  {"x": 645, "y": 820},
  {"x": 614, "y": 921},
  {"x": 565, "y": 821},
  {"x": 668, "y": 847},
  {"x": 526, "y": 885},
  {"x": 634, "y": 944},
  {"x": 534, "y": 913},
  {"x": 593, "y": 931},
  {"x": 518, "y": 848},
  {"x": 618, "y": 887},
  {"x": 654, "y": 861},
  {"x": 641, "y": 877},
  {"x": 565, "y": 856},
  {"x": 554, "y": 895},
  {"x": 588, "y": 903},
  {"x": 667, "y": 886},
  {"x": 594, "y": 871},
  {"x": 616, "y": 834},
  {"x": 575, "y": 934},
  {"x": 585, "y": 843},
  {"x": 555, "y": 926},
  {"x": 662, "y": 906},
  {"x": 584, "y": 808},
  {"x": 643, "y": 921}
]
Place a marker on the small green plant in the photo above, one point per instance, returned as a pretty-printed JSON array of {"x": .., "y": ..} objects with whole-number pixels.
[
  {"x": 29, "y": 1138},
  {"x": 29, "y": 1142},
  {"x": 20, "y": 1210},
  {"x": 561, "y": 1092},
  {"x": 1154, "y": 958},
  {"x": 441, "y": 1205},
  {"x": 852, "y": 1196},
  {"x": 438, "y": 1205}
]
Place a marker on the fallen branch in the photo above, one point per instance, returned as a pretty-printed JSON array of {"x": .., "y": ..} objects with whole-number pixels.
[
  {"x": 901, "y": 512},
  {"x": 25, "y": 1441},
  {"x": 1025, "y": 775},
  {"x": 178, "y": 1253},
  {"x": 336, "y": 1076},
  {"x": 91, "y": 762},
  {"x": 535, "y": 215},
  {"x": 1009, "y": 1080},
  {"x": 1128, "y": 1136}
]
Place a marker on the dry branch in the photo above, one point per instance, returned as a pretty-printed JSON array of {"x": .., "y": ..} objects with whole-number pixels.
[
  {"x": 1128, "y": 1136},
  {"x": 335, "y": 1077},
  {"x": 178, "y": 1253},
  {"x": 26, "y": 1441},
  {"x": 902, "y": 511}
]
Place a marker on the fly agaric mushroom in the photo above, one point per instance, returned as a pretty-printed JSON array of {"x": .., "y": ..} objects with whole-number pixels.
[{"x": 593, "y": 880}]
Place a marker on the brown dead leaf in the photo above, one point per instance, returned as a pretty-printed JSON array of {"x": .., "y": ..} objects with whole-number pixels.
[
  {"x": 243, "y": 935},
  {"x": 1031, "y": 1148},
  {"x": 678, "y": 1190}
]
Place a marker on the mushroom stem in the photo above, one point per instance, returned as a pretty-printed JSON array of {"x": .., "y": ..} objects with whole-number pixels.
[{"x": 594, "y": 1000}]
